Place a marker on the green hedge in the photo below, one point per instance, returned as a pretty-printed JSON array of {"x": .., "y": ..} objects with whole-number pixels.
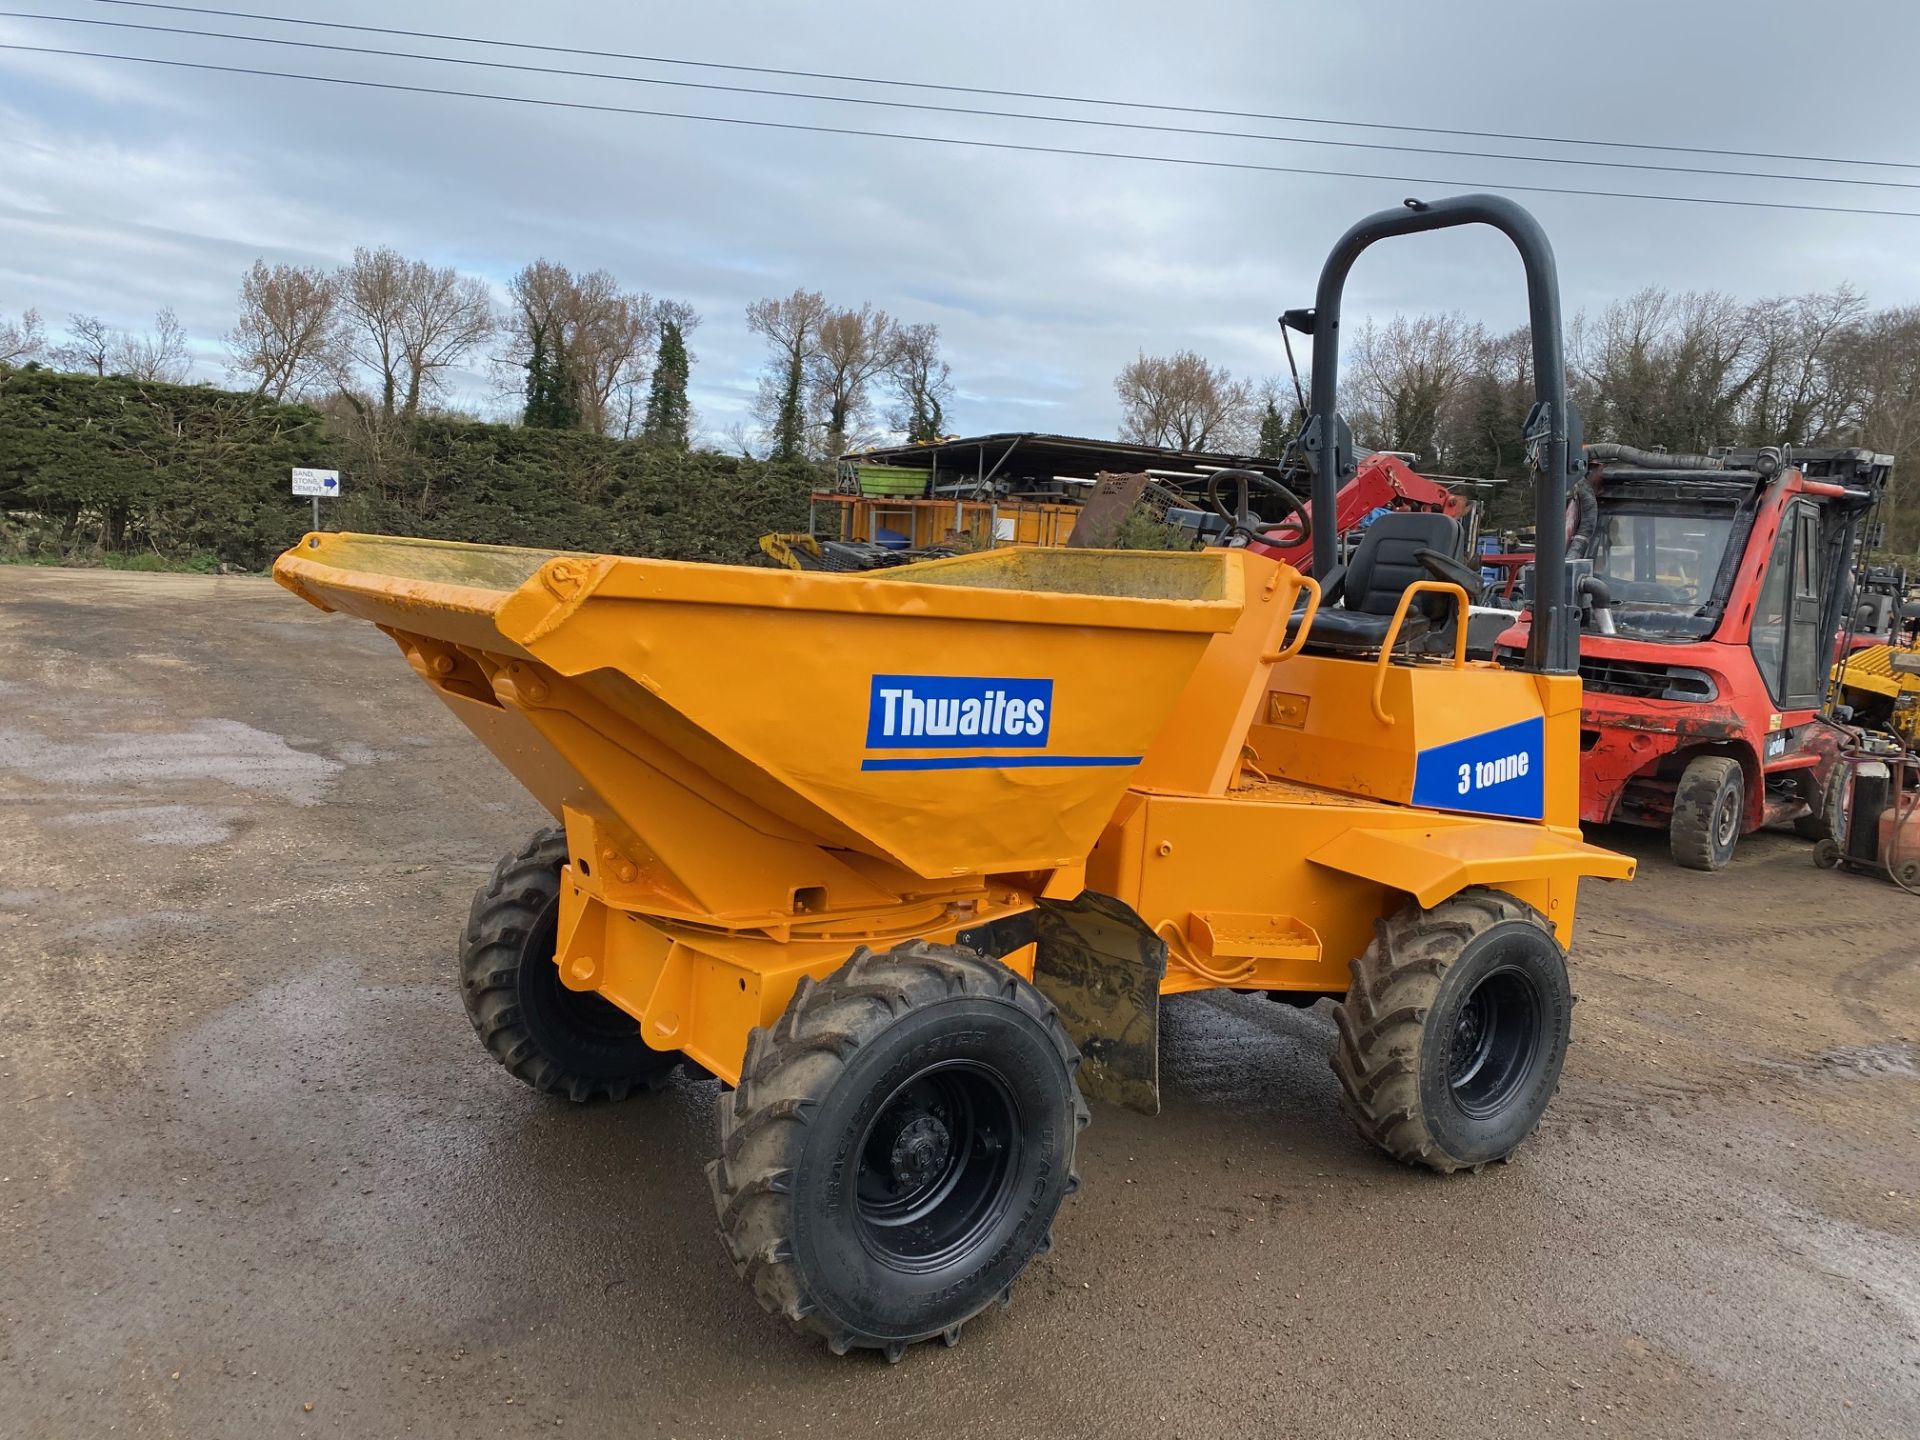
[{"x": 92, "y": 467}]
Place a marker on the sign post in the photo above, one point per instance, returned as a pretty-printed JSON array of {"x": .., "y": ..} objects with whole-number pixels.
[{"x": 316, "y": 483}]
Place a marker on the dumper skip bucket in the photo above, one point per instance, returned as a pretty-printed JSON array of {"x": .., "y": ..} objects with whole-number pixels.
[{"x": 975, "y": 715}]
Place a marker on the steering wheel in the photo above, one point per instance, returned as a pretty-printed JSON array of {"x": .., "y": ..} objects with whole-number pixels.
[{"x": 1241, "y": 519}]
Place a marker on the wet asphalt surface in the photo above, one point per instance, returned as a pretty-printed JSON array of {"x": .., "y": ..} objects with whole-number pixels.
[{"x": 257, "y": 1178}]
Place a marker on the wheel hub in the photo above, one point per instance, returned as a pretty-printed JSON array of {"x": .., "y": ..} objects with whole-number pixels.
[
  {"x": 1467, "y": 1031},
  {"x": 1728, "y": 820},
  {"x": 920, "y": 1151},
  {"x": 1493, "y": 1042},
  {"x": 937, "y": 1165}
]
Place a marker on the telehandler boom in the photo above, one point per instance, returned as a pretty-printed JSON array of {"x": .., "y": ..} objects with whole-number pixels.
[{"x": 909, "y": 859}]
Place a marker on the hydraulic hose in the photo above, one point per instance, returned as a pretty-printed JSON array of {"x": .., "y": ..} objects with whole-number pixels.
[
  {"x": 1586, "y": 522},
  {"x": 1654, "y": 459},
  {"x": 1600, "y": 599}
]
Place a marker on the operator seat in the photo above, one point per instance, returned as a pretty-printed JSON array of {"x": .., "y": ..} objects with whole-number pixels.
[{"x": 1358, "y": 599}]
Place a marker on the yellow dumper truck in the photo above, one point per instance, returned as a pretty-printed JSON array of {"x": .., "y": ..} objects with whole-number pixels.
[{"x": 909, "y": 859}]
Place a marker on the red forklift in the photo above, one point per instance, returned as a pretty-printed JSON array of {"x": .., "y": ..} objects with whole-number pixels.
[{"x": 1711, "y": 618}]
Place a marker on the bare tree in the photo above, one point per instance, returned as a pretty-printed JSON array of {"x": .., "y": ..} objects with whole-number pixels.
[
  {"x": 677, "y": 312},
  {"x": 1405, "y": 375},
  {"x": 288, "y": 336},
  {"x": 23, "y": 339},
  {"x": 739, "y": 437},
  {"x": 1881, "y": 357},
  {"x": 856, "y": 347},
  {"x": 1881, "y": 360},
  {"x": 600, "y": 336},
  {"x": 922, "y": 383},
  {"x": 792, "y": 331},
  {"x": 372, "y": 309},
  {"x": 161, "y": 354},
  {"x": 1798, "y": 393},
  {"x": 89, "y": 345},
  {"x": 1482, "y": 429},
  {"x": 409, "y": 322},
  {"x": 613, "y": 348},
  {"x": 1181, "y": 401},
  {"x": 1663, "y": 369}
]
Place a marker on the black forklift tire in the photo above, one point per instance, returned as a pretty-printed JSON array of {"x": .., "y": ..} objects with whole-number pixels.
[
  {"x": 1451, "y": 1040},
  {"x": 898, "y": 1147},
  {"x": 1821, "y": 822},
  {"x": 564, "y": 1042},
  {"x": 1709, "y": 812}
]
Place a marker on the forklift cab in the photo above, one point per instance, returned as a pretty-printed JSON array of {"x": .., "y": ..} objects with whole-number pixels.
[{"x": 1727, "y": 579}]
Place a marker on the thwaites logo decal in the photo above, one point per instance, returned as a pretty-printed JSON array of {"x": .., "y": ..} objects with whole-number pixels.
[
  {"x": 952, "y": 712},
  {"x": 1500, "y": 772},
  {"x": 972, "y": 720}
]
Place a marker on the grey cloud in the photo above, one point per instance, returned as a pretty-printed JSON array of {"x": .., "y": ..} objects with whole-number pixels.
[{"x": 131, "y": 188}]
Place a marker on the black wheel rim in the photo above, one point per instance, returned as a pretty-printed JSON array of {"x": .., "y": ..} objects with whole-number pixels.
[
  {"x": 582, "y": 1012},
  {"x": 1496, "y": 1035},
  {"x": 937, "y": 1166},
  {"x": 1726, "y": 818}
]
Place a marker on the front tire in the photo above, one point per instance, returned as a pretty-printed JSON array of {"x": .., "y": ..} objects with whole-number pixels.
[
  {"x": 1709, "y": 812},
  {"x": 1452, "y": 1037},
  {"x": 565, "y": 1042},
  {"x": 898, "y": 1147}
]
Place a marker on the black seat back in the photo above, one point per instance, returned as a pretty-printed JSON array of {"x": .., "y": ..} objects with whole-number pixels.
[{"x": 1384, "y": 565}]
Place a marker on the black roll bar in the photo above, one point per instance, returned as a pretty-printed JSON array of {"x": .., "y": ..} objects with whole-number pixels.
[{"x": 1552, "y": 431}]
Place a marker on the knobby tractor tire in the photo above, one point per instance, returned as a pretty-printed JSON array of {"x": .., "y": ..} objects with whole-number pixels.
[
  {"x": 898, "y": 1147},
  {"x": 1452, "y": 1036},
  {"x": 561, "y": 1041},
  {"x": 1709, "y": 812}
]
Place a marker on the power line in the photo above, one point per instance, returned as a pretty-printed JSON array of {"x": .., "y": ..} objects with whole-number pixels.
[
  {"x": 871, "y": 101},
  {"x": 1016, "y": 94},
  {"x": 1005, "y": 145}
]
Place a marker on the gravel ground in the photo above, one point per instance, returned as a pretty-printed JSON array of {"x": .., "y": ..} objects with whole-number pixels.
[{"x": 258, "y": 1179}]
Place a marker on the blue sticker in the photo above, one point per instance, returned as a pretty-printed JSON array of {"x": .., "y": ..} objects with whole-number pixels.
[
  {"x": 966, "y": 712},
  {"x": 958, "y": 712},
  {"x": 1500, "y": 772}
]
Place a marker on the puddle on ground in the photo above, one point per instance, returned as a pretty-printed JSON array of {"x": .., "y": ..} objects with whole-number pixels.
[
  {"x": 128, "y": 927},
  {"x": 219, "y": 750},
  {"x": 1885, "y": 1266},
  {"x": 162, "y": 824},
  {"x": 1889, "y": 1057}
]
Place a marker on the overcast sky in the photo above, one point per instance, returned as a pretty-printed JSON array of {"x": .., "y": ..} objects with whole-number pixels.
[{"x": 127, "y": 187}]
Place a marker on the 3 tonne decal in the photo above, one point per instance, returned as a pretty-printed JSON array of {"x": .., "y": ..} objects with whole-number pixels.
[
  {"x": 973, "y": 713},
  {"x": 1500, "y": 772}
]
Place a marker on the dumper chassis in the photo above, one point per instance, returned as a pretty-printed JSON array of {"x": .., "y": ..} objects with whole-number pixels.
[{"x": 909, "y": 860}]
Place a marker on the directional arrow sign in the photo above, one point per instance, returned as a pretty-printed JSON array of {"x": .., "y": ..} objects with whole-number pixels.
[{"x": 316, "y": 482}]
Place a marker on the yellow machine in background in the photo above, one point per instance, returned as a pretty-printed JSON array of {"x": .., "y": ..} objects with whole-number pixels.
[
  {"x": 909, "y": 859},
  {"x": 867, "y": 532},
  {"x": 1882, "y": 684}
]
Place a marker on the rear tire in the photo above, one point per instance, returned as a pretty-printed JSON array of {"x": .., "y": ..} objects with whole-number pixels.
[
  {"x": 1452, "y": 1037},
  {"x": 565, "y": 1042},
  {"x": 898, "y": 1147},
  {"x": 1825, "y": 821},
  {"x": 1709, "y": 812}
]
